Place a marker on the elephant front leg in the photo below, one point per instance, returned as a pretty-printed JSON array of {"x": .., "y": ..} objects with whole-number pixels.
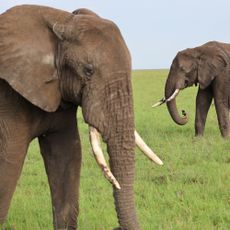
[
  {"x": 13, "y": 148},
  {"x": 61, "y": 152},
  {"x": 203, "y": 102}
]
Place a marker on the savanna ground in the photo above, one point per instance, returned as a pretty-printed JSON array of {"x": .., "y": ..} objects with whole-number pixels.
[{"x": 191, "y": 190}]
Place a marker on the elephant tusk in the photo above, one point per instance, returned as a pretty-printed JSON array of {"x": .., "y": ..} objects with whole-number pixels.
[
  {"x": 162, "y": 101},
  {"x": 146, "y": 150},
  {"x": 176, "y": 92},
  {"x": 99, "y": 156}
]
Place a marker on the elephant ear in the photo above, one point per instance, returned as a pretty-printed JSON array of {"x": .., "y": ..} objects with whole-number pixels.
[
  {"x": 27, "y": 54},
  {"x": 210, "y": 65}
]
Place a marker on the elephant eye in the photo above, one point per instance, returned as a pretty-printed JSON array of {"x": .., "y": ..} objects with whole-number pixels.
[{"x": 88, "y": 70}]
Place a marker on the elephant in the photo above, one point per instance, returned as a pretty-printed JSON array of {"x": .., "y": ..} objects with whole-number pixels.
[
  {"x": 208, "y": 66},
  {"x": 52, "y": 62}
]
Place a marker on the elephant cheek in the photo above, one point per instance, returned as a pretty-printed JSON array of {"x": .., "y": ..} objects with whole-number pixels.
[{"x": 71, "y": 87}]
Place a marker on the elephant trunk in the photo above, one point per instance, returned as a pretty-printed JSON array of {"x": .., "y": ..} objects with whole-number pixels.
[
  {"x": 114, "y": 119},
  {"x": 121, "y": 152},
  {"x": 171, "y": 105},
  {"x": 120, "y": 147}
]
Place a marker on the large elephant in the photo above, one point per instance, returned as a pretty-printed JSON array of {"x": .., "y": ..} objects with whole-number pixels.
[
  {"x": 51, "y": 62},
  {"x": 208, "y": 65}
]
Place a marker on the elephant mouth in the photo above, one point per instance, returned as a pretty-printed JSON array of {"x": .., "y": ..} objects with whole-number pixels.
[
  {"x": 189, "y": 84},
  {"x": 94, "y": 137}
]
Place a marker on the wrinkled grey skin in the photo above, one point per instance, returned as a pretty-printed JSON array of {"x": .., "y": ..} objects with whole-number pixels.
[
  {"x": 208, "y": 66},
  {"x": 51, "y": 62}
]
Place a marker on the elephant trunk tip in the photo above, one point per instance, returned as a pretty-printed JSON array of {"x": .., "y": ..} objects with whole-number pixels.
[
  {"x": 184, "y": 118},
  {"x": 184, "y": 113}
]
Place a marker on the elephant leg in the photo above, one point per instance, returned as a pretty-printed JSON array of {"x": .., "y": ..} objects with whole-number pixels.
[
  {"x": 222, "y": 112},
  {"x": 61, "y": 151},
  {"x": 203, "y": 102},
  {"x": 13, "y": 147}
]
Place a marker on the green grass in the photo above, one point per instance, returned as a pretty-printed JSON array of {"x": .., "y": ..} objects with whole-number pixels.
[{"x": 191, "y": 190}]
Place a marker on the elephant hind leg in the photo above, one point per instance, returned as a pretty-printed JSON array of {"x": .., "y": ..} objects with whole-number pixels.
[
  {"x": 13, "y": 148},
  {"x": 222, "y": 112},
  {"x": 222, "y": 109}
]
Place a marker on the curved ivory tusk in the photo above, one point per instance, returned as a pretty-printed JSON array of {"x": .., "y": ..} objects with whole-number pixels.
[
  {"x": 98, "y": 154},
  {"x": 146, "y": 150},
  {"x": 162, "y": 101},
  {"x": 176, "y": 92}
]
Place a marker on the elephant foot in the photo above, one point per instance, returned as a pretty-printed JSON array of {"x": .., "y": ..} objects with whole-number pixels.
[
  {"x": 198, "y": 136},
  {"x": 225, "y": 133}
]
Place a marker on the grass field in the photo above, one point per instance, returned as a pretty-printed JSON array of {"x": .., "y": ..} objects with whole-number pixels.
[{"x": 191, "y": 190}]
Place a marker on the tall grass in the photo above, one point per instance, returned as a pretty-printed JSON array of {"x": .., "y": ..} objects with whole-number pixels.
[{"x": 191, "y": 190}]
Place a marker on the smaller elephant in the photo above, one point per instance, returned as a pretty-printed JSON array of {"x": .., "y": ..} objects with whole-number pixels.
[{"x": 208, "y": 66}]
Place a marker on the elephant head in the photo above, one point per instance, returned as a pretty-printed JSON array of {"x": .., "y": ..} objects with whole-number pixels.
[
  {"x": 200, "y": 65},
  {"x": 52, "y": 57}
]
